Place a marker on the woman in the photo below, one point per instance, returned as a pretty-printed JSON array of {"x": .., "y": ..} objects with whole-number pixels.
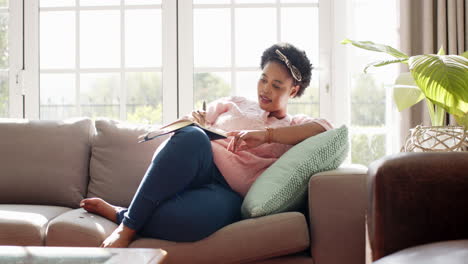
[{"x": 194, "y": 187}]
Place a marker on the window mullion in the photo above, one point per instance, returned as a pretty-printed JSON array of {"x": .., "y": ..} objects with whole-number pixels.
[
  {"x": 123, "y": 88},
  {"x": 185, "y": 57},
  {"x": 325, "y": 62},
  {"x": 278, "y": 21},
  {"x": 169, "y": 62},
  {"x": 77, "y": 58},
  {"x": 233, "y": 50},
  {"x": 31, "y": 58},
  {"x": 339, "y": 86}
]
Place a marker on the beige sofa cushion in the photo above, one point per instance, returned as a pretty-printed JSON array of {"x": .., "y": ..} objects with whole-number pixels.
[
  {"x": 78, "y": 228},
  {"x": 244, "y": 241},
  {"x": 44, "y": 162},
  {"x": 24, "y": 225},
  {"x": 118, "y": 161}
]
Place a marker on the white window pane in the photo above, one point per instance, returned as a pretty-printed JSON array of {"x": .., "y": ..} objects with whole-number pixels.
[
  {"x": 144, "y": 97},
  {"x": 4, "y": 50},
  {"x": 210, "y": 51},
  {"x": 99, "y": 2},
  {"x": 308, "y": 104},
  {"x": 56, "y": 3},
  {"x": 4, "y": 94},
  {"x": 300, "y": 27},
  {"x": 100, "y": 39},
  {"x": 57, "y": 39},
  {"x": 366, "y": 148},
  {"x": 100, "y": 94},
  {"x": 247, "y": 84},
  {"x": 143, "y": 38},
  {"x": 142, "y": 2},
  {"x": 57, "y": 96},
  {"x": 3, "y": 3},
  {"x": 255, "y": 32},
  {"x": 376, "y": 20},
  {"x": 209, "y": 86},
  {"x": 196, "y": 2},
  {"x": 367, "y": 101}
]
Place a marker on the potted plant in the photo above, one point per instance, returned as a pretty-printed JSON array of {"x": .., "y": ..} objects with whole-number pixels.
[{"x": 442, "y": 80}]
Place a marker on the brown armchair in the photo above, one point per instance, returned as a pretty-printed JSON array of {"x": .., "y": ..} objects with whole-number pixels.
[{"x": 415, "y": 199}]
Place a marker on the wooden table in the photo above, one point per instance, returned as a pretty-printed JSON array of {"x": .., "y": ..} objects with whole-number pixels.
[{"x": 80, "y": 255}]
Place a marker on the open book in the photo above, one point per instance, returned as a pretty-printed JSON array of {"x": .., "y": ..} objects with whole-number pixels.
[{"x": 212, "y": 133}]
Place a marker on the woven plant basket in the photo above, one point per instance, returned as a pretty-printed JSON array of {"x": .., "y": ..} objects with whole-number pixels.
[{"x": 436, "y": 138}]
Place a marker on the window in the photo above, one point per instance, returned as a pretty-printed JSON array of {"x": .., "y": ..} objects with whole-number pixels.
[
  {"x": 373, "y": 125},
  {"x": 226, "y": 60},
  {"x": 151, "y": 61},
  {"x": 101, "y": 59}
]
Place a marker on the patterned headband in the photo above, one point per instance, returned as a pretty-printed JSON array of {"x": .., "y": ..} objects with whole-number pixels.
[{"x": 294, "y": 71}]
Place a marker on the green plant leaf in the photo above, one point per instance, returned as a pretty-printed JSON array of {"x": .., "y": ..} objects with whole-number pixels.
[
  {"x": 443, "y": 79},
  {"x": 369, "y": 45},
  {"x": 405, "y": 92},
  {"x": 384, "y": 62},
  {"x": 441, "y": 51},
  {"x": 462, "y": 121},
  {"x": 465, "y": 54}
]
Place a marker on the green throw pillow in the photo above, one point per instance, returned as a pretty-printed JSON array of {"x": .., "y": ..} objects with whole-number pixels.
[{"x": 283, "y": 186}]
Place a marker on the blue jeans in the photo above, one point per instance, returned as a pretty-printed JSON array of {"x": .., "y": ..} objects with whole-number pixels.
[{"x": 182, "y": 196}]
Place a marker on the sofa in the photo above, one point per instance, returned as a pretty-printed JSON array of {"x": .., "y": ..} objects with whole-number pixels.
[
  {"x": 418, "y": 208},
  {"x": 47, "y": 167}
]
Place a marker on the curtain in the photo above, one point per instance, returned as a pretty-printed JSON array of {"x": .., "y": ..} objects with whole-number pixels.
[{"x": 425, "y": 26}]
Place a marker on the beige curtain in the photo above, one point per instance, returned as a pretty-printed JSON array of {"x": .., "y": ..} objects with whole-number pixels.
[{"x": 425, "y": 26}]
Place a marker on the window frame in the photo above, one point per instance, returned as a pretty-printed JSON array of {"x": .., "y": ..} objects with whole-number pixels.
[
  {"x": 186, "y": 51},
  {"x": 169, "y": 55}
]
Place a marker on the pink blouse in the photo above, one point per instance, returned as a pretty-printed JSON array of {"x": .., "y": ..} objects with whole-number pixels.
[{"x": 242, "y": 168}]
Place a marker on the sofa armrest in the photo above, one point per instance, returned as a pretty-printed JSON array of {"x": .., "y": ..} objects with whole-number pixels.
[
  {"x": 337, "y": 201},
  {"x": 417, "y": 198}
]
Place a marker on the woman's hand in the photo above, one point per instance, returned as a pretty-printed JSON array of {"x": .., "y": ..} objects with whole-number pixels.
[
  {"x": 245, "y": 139},
  {"x": 199, "y": 117}
]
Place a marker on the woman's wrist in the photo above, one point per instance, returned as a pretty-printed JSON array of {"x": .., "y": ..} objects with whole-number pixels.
[{"x": 269, "y": 135}]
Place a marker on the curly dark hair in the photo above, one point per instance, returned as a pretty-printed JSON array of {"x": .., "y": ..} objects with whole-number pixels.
[{"x": 297, "y": 57}]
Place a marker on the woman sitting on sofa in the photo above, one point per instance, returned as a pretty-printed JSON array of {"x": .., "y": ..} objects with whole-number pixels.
[{"x": 193, "y": 187}]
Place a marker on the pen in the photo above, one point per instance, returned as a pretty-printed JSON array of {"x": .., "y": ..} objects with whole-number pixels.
[{"x": 204, "y": 105}]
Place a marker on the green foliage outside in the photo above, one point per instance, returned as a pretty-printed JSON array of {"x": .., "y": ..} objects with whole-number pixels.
[
  {"x": 367, "y": 111},
  {"x": 209, "y": 87},
  {"x": 144, "y": 98},
  {"x": 3, "y": 96},
  {"x": 367, "y": 148},
  {"x": 367, "y": 102},
  {"x": 3, "y": 63},
  {"x": 307, "y": 104},
  {"x": 146, "y": 115}
]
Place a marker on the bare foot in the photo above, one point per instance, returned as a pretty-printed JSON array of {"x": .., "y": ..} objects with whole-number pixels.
[
  {"x": 100, "y": 207},
  {"x": 120, "y": 238}
]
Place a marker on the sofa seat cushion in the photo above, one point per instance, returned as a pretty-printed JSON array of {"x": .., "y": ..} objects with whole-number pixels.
[
  {"x": 25, "y": 225},
  {"x": 78, "y": 228},
  {"x": 44, "y": 162},
  {"x": 244, "y": 241}
]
